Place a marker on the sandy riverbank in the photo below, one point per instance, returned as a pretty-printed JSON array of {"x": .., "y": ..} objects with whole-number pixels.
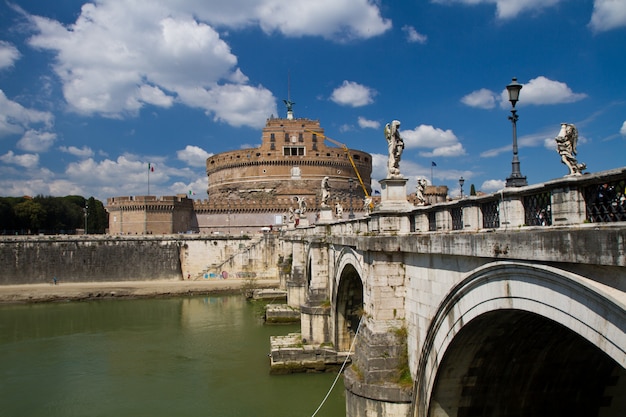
[{"x": 122, "y": 289}]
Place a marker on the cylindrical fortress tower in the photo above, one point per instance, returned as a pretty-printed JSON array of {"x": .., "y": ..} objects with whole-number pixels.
[{"x": 291, "y": 162}]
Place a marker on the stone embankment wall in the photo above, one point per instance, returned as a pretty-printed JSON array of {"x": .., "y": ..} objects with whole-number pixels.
[{"x": 39, "y": 259}]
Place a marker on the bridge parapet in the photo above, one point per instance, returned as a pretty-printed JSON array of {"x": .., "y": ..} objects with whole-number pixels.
[{"x": 571, "y": 200}]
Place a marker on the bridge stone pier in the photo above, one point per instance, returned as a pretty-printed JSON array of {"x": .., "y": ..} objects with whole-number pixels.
[{"x": 511, "y": 304}]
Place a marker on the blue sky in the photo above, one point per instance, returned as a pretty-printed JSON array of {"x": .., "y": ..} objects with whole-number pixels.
[{"x": 90, "y": 93}]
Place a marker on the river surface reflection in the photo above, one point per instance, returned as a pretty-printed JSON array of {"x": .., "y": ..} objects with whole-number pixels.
[{"x": 196, "y": 356}]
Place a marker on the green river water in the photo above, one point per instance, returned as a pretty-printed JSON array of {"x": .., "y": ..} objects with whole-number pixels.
[{"x": 195, "y": 356}]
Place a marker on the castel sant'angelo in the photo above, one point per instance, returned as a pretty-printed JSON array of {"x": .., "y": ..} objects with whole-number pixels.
[{"x": 257, "y": 188}]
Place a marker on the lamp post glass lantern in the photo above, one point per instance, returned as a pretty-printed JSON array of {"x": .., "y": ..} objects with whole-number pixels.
[
  {"x": 461, "y": 182},
  {"x": 516, "y": 179}
]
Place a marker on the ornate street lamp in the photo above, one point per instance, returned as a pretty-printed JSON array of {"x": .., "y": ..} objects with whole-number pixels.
[
  {"x": 516, "y": 179},
  {"x": 351, "y": 215},
  {"x": 461, "y": 182},
  {"x": 86, "y": 210}
]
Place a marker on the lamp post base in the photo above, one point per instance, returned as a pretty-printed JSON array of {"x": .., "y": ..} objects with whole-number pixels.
[{"x": 516, "y": 181}]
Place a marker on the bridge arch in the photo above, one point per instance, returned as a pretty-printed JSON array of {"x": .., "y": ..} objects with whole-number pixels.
[
  {"x": 349, "y": 298},
  {"x": 516, "y": 338}
]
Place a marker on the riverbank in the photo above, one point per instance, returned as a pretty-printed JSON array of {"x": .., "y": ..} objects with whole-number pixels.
[{"x": 49, "y": 292}]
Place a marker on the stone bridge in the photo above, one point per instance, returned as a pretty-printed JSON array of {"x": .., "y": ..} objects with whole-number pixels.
[{"x": 511, "y": 304}]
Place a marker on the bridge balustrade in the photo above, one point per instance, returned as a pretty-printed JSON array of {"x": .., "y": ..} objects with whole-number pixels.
[
  {"x": 490, "y": 211},
  {"x": 606, "y": 202}
]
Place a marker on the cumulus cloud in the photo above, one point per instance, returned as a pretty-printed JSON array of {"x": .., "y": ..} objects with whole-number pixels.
[
  {"x": 116, "y": 58},
  {"x": 24, "y": 160},
  {"x": 622, "y": 131},
  {"x": 483, "y": 99},
  {"x": 439, "y": 142},
  {"x": 36, "y": 141},
  {"x": 491, "y": 186},
  {"x": 193, "y": 156},
  {"x": 507, "y": 9},
  {"x": 16, "y": 119},
  {"x": 332, "y": 19},
  {"x": 8, "y": 54},
  {"x": 353, "y": 94},
  {"x": 84, "y": 152},
  {"x": 412, "y": 35},
  {"x": 542, "y": 90},
  {"x": 368, "y": 124},
  {"x": 198, "y": 188},
  {"x": 538, "y": 91},
  {"x": 607, "y": 15}
]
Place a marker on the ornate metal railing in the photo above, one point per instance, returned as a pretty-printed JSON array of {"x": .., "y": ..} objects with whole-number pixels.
[
  {"x": 537, "y": 209},
  {"x": 491, "y": 214},
  {"x": 457, "y": 218},
  {"x": 606, "y": 202}
]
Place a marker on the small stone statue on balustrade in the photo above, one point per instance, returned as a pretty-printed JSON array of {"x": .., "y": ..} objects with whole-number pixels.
[
  {"x": 419, "y": 191},
  {"x": 566, "y": 142},
  {"x": 395, "y": 145},
  {"x": 325, "y": 192},
  {"x": 368, "y": 205},
  {"x": 339, "y": 210}
]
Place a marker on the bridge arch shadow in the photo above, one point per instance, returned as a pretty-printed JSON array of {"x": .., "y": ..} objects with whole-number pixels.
[
  {"x": 349, "y": 306},
  {"x": 516, "y": 339}
]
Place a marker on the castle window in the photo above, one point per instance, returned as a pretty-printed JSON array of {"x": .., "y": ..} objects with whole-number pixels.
[
  {"x": 300, "y": 137},
  {"x": 293, "y": 151},
  {"x": 272, "y": 146},
  {"x": 315, "y": 146},
  {"x": 286, "y": 137},
  {"x": 315, "y": 137},
  {"x": 356, "y": 157},
  {"x": 272, "y": 137}
]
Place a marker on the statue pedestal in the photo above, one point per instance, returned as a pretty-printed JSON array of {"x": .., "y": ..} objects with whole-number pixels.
[
  {"x": 326, "y": 215},
  {"x": 393, "y": 195}
]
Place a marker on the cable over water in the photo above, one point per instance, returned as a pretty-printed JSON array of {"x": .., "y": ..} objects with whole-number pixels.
[{"x": 340, "y": 370}]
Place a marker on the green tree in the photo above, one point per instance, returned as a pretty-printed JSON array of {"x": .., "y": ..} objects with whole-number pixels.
[
  {"x": 97, "y": 219},
  {"x": 31, "y": 215},
  {"x": 472, "y": 190}
]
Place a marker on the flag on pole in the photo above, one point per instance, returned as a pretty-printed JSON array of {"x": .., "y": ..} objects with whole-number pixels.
[
  {"x": 434, "y": 164},
  {"x": 150, "y": 167}
]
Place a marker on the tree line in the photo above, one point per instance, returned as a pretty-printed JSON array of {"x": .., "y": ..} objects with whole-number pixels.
[{"x": 52, "y": 215}]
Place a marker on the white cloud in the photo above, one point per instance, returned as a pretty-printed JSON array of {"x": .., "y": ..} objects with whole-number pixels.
[
  {"x": 441, "y": 142},
  {"x": 622, "y": 131},
  {"x": 154, "y": 95},
  {"x": 198, "y": 188},
  {"x": 117, "y": 57},
  {"x": 332, "y": 19},
  {"x": 353, "y": 94},
  {"x": 507, "y": 9},
  {"x": 491, "y": 186},
  {"x": 36, "y": 141},
  {"x": 24, "y": 160},
  {"x": 607, "y": 15},
  {"x": 8, "y": 55},
  {"x": 542, "y": 90},
  {"x": 16, "y": 119},
  {"x": 84, "y": 152},
  {"x": 193, "y": 156},
  {"x": 483, "y": 99},
  {"x": 412, "y": 35},
  {"x": 368, "y": 124}
]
